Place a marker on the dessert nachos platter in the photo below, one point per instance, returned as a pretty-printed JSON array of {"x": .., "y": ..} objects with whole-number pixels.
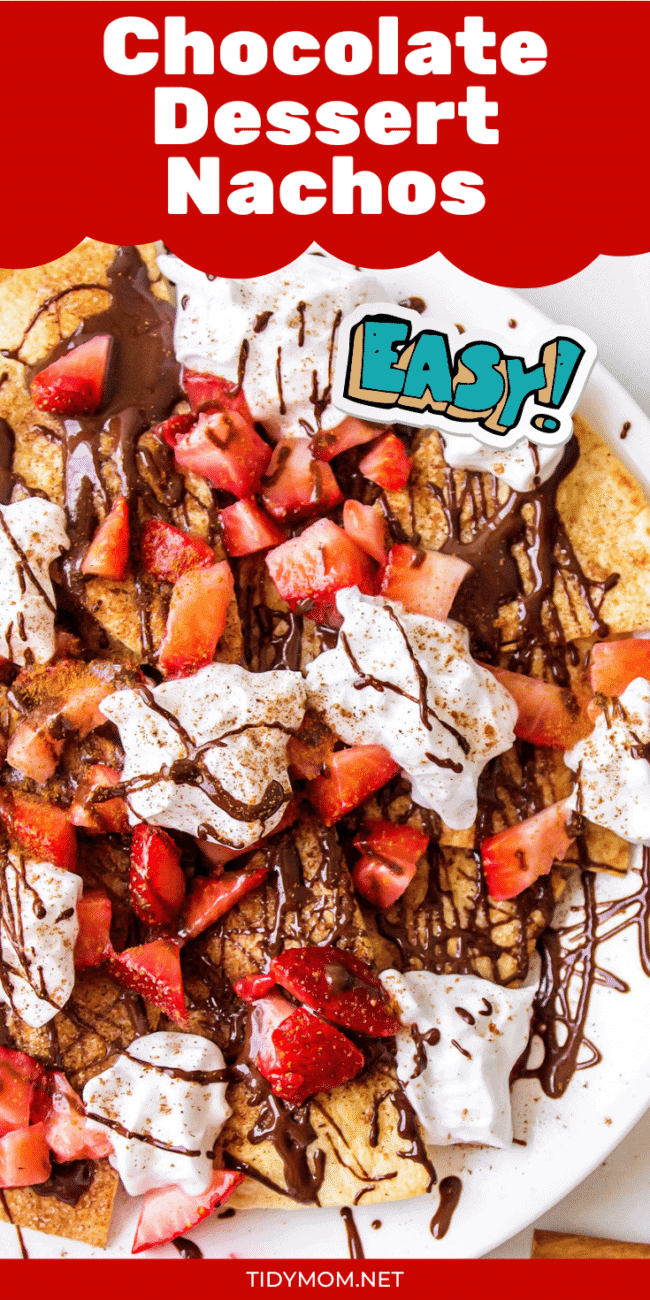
[{"x": 281, "y": 695}]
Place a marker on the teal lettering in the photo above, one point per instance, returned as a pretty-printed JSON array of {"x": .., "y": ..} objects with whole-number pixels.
[
  {"x": 521, "y": 383},
  {"x": 487, "y": 390},
  {"x": 429, "y": 367},
  {"x": 380, "y": 336}
]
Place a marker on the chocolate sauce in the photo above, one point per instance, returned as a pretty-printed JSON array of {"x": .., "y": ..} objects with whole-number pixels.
[
  {"x": 413, "y": 304},
  {"x": 421, "y": 1042},
  {"x": 449, "y": 1192},
  {"x": 187, "y": 1249},
  {"x": 261, "y": 322},
  {"x": 625, "y": 430},
  {"x": 68, "y": 1181},
  {"x": 355, "y": 1248},
  {"x": 466, "y": 1015},
  {"x": 141, "y": 1137},
  {"x": 7, "y": 478},
  {"x": 407, "y": 1127}
]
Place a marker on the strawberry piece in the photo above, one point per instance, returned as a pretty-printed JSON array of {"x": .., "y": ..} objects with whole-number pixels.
[
  {"x": 424, "y": 582},
  {"x": 168, "y": 1212},
  {"x": 312, "y": 1056},
  {"x": 42, "y": 829},
  {"x": 154, "y": 971},
  {"x": 263, "y": 1019},
  {"x": 401, "y": 845},
  {"x": 367, "y": 528},
  {"x": 68, "y": 1133},
  {"x": 614, "y": 664},
  {"x": 253, "y": 987},
  {"x": 93, "y": 941},
  {"x": 337, "y": 985},
  {"x": 167, "y": 552},
  {"x": 226, "y": 450},
  {"x": 548, "y": 714},
  {"x": 210, "y": 898},
  {"x": 108, "y": 553},
  {"x": 38, "y": 741},
  {"x": 24, "y": 1157},
  {"x": 106, "y": 816},
  {"x": 381, "y": 883},
  {"x": 33, "y": 749},
  {"x": 74, "y": 385},
  {"x": 247, "y": 529},
  {"x": 196, "y": 619},
  {"x": 175, "y": 427},
  {"x": 311, "y": 748},
  {"x": 218, "y": 854},
  {"x": 156, "y": 881},
  {"x": 353, "y": 775},
  {"x": 513, "y": 859},
  {"x": 317, "y": 564},
  {"x": 18, "y": 1074},
  {"x": 349, "y": 433},
  {"x": 212, "y": 393},
  {"x": 296, "y": 485},
  {"x": 387, "y": 463}
]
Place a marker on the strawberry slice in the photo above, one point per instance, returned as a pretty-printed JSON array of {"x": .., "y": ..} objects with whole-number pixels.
[
  {"x": 33, "y": 750},
  {"x": 353, "y": 775},
  {"x": 225, "y": 449},
  {"x": 311, "y": 748},
  {"x": 337, "y": 985},
  {"x": 263, "y": 1019},
  {"x": 247, "y": 529},
  {"x": 614, "y": 664},
  {"x": 106, "y": 816},
  {"x": 367, "y": 528},
  {"x": 24, "y": 1157},
  {"x": 42, "y": 829},
  {"x": 212, "y": 393},
  {"x": 401, "y": 845},
  {"x": 513, "y": 859},
  {"x": 18, "y": 1075},
  {"x": 296, "y": 485},
  {"x": 548, "y": 714},
  {"x": 167, "y": 552},
  {"x": 67, "y": 1131},
  {"x": 312, "y": 1056},
  {"x": 196, "y": 619},
  {"x": 156, "y": 880},
  {"x": 349, "y": 433},
  {"x": 252, "y": 987},
  {"x": 154, "y": 971},
  {"x": 168, "y": 1212},
  {"x": 74, "y": 385},
  {"x": 387, "y": 463},
  {"x": 381, "y": 883},
  {"x": 424, "y": 582},
  {"x": 314, "y": 566},
  {"x": 172, "y": 430},
  {"x": 108, "y": 553},
  {"x": 210, "y": 898},
  {"x": 38, "y": 741},
  {"x": 93, "y": 944}
]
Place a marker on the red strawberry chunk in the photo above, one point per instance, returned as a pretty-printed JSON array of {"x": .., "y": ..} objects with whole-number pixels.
[
  {"x": 156, "y": 880},
  {"x": 18, "y": 1074},
  {"x": 108, "y": 553},
  {"x": 312, "y": 1056},
  {"x": 353, "y": 775},
  {"x": 513, "y": 859},
  {"x": 37, "y": 743},
  {"x": 24, "y": 1157},
  {"x": 212, "y": 393},
  {"x": 68, "y": 1133},
  {"x": 196, "y": 619},
  {"x": 337, "y": 985},
  {"x": 225, "y": 449},
  {"x": 263, "y": 1019},
  {"x": 33, "y": 750},
  {"x": 317, "y": 564},
  {"x": 548, "y": 714},
  {"x": 311, "y": 748},
  {"x": 106, "y": 816},
  {"x": 175, "y": 427},
  {"x": 168, "y": 1212},
  {"x": 210, "y": 898},
  {"x": 349, "y": 433},
  {"x": 93, "y": 944},
  {"x": 74, "y": 385},
  {"x": 154, "y": 971},
  {"x": 401, "y": 845},
  {"x": 424, "y": 582},
  {"x": 296, "y": 485},
  {"x": 252, "y": 987},
  {"x": 167, "y": 552},
  {"x": 387, "y": 463},
  {"x": 367, "y": 528},
  {"x": 381, "y": 882},
  {"x": 614, "y": 664},
  {"x": 43, "y": 830},
  {"x": 247, "y": 529},
  {"x": 218, "y": 854}
]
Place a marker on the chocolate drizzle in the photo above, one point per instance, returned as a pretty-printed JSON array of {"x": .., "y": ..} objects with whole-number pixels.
[
  {"x": 355, "y": 1248},
  {"x": 449, "y": 1192},
  {"x": 68, "y": 1181},
  {"x": 187, "y": 1249}
]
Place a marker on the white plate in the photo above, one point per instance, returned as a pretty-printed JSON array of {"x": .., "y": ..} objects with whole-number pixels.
[{"x": 503, "y": 1191}]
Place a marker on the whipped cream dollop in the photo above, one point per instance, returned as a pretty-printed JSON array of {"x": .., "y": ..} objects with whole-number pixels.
[
  {"x": 409, "y": 683},
  {"x": 32, "y": 535},
  {"x": 461, "y": 1038},
  {"x": 38, "y": 932},
  {"x": 162, "y": 1110},
  {"x": 207, "y": 754},
  {"x": 522, "y": 467},
  {"x": 612, "y": 768},
  {"x": 289, "y": 319}
]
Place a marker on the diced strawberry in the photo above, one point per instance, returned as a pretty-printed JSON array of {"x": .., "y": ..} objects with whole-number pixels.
[
  {"x": 614, "y": 664},
  {"x": 168, "y": 1212},
  {"x": 401, "y": 845},
  {"x": 67, "y": 1131},
  {"x": 196, "y": 619},
  {"x": 211, "y": 392},
  {"x": 424, "y": 582},
  {"x": 24, "y": 1157},
  {"x": 17, "y": 1077},
  {"x": 154, "y": 971},
  {"x": 218, "y": 855},
  {"x": 513, "y": 859},
  {"x": 337, "y": 985},
  {"x": 263, "y": 1019},
  {"x": 167, "y": 552},
  {"x": 311, "y": 748},
  {"x": 42, "y": 829},
  {"x": 367, "y": 528},
  {"x": 548, "y": 714},
  {"x": 33, "y": 749},
  {"x": 102, "y": 817},
  {"x": 38, "y": 742},
  {"x": 74, "y": 385},
  {"x": 156, "y": 880},
  {"x": 296, "y": 485},
  {"x": 210, "y": 898},
  {"x": 108, "y": 553},
  {"x": 387, "y": 463},
  {"x": 381, "y": 882},
  {"x": 247, "y": 529},
  {"x": 93, "y": 941},
  {"x": 312, "y": 1056},
  {"x": 226, "y": 450},
  {"x": 349, "y": 433},
  {"x": 253, "y": 987},
  {"x": 175, "y": 427},
  {"x": 353, "y": 775},
  {"x": 317, "y": 564}
]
